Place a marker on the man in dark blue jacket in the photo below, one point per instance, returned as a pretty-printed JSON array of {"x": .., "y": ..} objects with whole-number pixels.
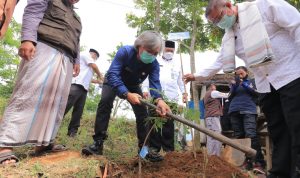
[
  {"x": 130, "y": 67},
  {"x": 243, "y": 115}
]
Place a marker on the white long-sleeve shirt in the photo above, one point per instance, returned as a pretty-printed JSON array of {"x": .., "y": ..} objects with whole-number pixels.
[
  {"x": 86, "y": 72},
  {"x": 282, "y": 22},
  {"x": 217, "y": 94},
  {"x": 170, "y": 77}
]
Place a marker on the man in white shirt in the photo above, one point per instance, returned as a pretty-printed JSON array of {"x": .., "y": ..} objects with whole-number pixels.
[
  {"x": 171, "y": 82},
  {"x": 213, "y": 112},
  {"x": 80, "y": 87},
  {"x": 279, "y": 81}
]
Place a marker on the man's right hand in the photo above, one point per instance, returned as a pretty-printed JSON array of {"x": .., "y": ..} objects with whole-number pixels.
[
  {"x": 27, "y": 50},
  {"x": 133, "y": 98},
  {"x": 188, "y": 77}
]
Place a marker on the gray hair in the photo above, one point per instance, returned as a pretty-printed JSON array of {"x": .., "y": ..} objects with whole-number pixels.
[
  {"x": 149, "y": 39},
  {"x": 214, "y": 4}
]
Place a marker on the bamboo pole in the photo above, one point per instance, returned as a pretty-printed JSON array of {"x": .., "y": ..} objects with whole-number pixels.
[{"x": 186, "y": 102}]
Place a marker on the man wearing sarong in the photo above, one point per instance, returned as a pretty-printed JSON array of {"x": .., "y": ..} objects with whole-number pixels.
[
  {"x": 265, "y": 34},
  {"x": 49, "y": 50}
]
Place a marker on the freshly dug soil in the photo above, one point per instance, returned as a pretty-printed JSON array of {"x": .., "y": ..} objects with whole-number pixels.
[
  {"x": 184, "y": 165},
  {"x": 174, "y": 165}
]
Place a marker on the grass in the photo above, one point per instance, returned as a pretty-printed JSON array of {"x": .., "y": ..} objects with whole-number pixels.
[{"x": 120, "y": 146}]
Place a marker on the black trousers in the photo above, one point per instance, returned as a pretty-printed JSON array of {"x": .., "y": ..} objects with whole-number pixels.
[
  {"x": 163, "y": 138},
  {"x": 104, "y": 109},
  {"x": 76, "y": 99},
  {"x": 244, "y": 126},
  {"x": 282, "y": 110}
]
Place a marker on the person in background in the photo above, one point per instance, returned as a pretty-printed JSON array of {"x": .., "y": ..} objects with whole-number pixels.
[
  {"x": 213, "y": 112},
  {"x": 49, "y": 57},
  {"x": 171, "y": 82},
  {"x": 80, "y": 88},
  {"x": 267, "y": 32},
  {"x": 243, "y": 114},
  {"x": 130, "y": 67}
]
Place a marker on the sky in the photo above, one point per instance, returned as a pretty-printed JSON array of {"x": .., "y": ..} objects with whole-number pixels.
[{"x": 104, "y": 27}]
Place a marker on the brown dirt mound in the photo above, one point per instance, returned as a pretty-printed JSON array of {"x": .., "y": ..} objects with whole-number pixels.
[{"x": 183, "y": 165}]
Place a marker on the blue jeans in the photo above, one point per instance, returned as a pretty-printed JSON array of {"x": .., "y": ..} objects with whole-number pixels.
[{"x": 244, "y": 126}]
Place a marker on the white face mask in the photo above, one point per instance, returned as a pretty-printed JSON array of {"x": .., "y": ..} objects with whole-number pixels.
[{"x": 168, "y": 55}]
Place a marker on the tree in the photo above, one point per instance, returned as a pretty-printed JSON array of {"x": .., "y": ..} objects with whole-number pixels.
[{"x": 9, "y": 59}]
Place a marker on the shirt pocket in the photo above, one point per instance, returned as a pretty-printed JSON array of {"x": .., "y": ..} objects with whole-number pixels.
[{"x": 174, "y": 74}]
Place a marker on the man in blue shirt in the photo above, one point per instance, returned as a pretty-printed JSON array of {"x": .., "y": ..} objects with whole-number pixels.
[{"x": 130, "y": 67}]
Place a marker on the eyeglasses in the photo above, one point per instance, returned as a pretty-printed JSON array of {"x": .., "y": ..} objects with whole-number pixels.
[
  {"x": 154, "y": 53},
  {"x": 216, "y": 20}
]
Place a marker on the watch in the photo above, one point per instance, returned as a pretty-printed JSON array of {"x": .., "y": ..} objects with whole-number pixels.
[{"x": 125, "y": 95}]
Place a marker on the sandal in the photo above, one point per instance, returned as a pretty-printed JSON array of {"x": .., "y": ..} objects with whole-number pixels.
[
  {"x": 51, "y": 148},
  {"x": 6, "y": 156}
]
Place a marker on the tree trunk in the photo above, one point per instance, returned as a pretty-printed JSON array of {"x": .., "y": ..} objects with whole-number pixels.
[
  {"x": 195, "y": 92},
  {"x": 157, "y": 15}
]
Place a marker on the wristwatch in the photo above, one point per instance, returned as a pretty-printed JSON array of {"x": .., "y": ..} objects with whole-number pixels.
[{"x": 124, "y": 95}]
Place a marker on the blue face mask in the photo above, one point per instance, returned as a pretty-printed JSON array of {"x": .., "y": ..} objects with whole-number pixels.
[
  {"x": 227, "y": 21},
  {"x": 147, "y": 58}
]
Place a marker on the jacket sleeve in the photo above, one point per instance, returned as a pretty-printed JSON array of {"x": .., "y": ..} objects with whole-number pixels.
[
  {"x": 33, "y": 15},
  {"x": 114, "y": 72},
  {"x": 154, "y": 82},
  {"x": 204, "y": 74}
]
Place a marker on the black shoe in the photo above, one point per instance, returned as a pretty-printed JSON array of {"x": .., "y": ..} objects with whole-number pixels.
[
  {"x": 72, "y": 134},
  {"x": 154, "y": 157},
  {"x": 94, "y": 149}
]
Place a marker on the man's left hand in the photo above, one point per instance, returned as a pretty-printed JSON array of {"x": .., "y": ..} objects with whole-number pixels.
[
  {"x": 163, "y": 108},
  {"x": 76, "y": 70}
]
